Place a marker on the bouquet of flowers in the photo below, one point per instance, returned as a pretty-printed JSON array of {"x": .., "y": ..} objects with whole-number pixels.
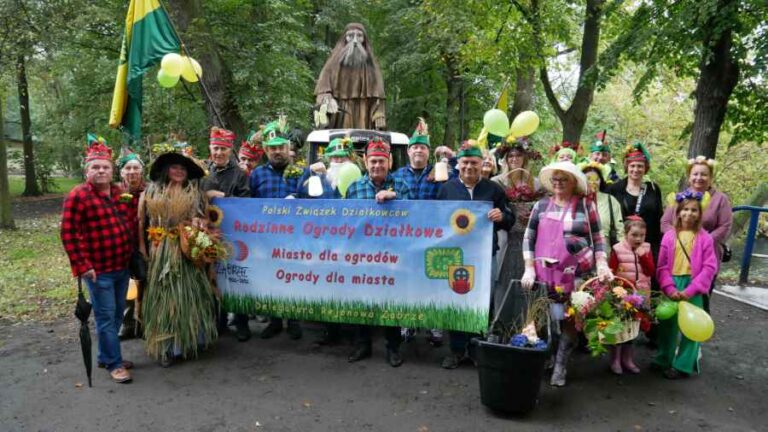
[
  {"x": 608, "y": 313},
  {"x": 201, "y": 245}
]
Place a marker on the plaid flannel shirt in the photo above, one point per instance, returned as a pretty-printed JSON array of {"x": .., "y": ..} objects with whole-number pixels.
[
  {"x": 365, "y": 189},
  {"x": 95, "y": 231},
  {"x": 266, "y": 182},
  {"x": 421, "y": 187},
  {"x": 577, "y": 226}
]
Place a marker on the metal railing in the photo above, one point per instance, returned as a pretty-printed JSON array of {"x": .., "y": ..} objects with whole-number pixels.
[{"x": 749, "y": 244}]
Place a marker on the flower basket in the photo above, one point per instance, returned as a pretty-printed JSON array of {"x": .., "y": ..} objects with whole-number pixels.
[
  {"x": 608, "y": 313},
  {"x": 630, "y": 331}
]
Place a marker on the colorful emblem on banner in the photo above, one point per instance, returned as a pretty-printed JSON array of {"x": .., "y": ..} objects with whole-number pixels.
[{"x": 461, "y": 278}]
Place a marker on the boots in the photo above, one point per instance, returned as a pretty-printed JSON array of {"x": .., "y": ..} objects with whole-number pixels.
[
  {"x": 616, "y": 357},
  {"x": 564, "y": 349},
  {"x": 627, "y": 354}
]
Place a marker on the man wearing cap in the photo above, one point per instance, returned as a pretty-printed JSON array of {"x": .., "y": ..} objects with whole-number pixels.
[
  {"x": 419, "y": 176},
  {"x": 470, "y": 186},
  {"x": 600, "y": 152},
  {"x": 251, "y": 152},
  {"x": 378, "y": 185},
  {"x": 226, "y": 179},
  {"x": 97, "y": 238},
  {"x": 338, "y": 153},
  {"x": 273, "y": 180}
]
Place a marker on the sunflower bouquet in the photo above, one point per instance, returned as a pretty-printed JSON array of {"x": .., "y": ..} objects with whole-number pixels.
[
  {"x": 608, "y": 313},
  {"x": 201, "y": 245}
]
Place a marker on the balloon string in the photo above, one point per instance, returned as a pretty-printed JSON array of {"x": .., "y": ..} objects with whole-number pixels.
[{"x": 186, "y": 52}]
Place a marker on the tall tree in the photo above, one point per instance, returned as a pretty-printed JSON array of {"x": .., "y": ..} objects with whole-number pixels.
[
  {"x": 574, "y": 117},
  {"x": 30, "y": 178},
  {"x": 719, "y": 43},
  {"x": 220, "y": 103},
  {"x": 6, "y": 216}
]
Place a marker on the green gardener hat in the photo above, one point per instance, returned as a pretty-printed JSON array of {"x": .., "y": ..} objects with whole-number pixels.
[
  {"x": 339, "y": 147},
  {"x": 421, "y": 134}
]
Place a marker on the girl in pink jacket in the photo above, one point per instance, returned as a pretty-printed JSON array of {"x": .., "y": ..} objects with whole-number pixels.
[
  {"x": 631, "y": 259},
  {"x": 686, "y": 267}
]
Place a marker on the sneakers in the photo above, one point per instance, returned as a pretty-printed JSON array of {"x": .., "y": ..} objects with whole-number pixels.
[
  {"x": 126, "y": 364},
  {"x": 121, "y": 375}
]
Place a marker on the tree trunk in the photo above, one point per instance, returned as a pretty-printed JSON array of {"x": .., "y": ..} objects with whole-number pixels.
[
  {"x": 719, "y": 74},
  {"x": 30, "y": 179},
  {"x": 463, "y": 120},
  {"x": 525, "y": 89},
  {"x": 574, "y": 118},
  {"x": 219, "y": 99},
  {"x": 452, "y": 101},
  {"x": 6, "y": 216}
]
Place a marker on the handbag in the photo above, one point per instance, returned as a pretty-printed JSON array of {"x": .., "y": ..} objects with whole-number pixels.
[
  {"x": 727, "y": 253},
  {"x": 137, "y": 266}
]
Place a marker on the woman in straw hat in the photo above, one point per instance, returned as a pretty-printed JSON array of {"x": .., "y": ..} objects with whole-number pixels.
[{"x": 562, "y": 244}]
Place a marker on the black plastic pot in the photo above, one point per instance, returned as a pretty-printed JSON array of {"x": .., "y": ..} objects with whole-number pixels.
[{"x": 510, "y": 377}]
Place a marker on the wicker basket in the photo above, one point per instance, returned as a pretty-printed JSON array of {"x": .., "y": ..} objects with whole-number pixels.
[{"x": 631, "y": 328}]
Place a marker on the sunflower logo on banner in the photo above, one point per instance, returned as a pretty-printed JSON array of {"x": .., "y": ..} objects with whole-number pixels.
[{"x": 461, "y": 278}]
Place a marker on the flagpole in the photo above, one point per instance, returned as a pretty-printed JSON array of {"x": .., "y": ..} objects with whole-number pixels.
[{"x": 186, "y": 51}]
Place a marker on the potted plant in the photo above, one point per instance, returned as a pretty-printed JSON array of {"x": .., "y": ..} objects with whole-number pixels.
[{"x": 510, "y": 362}]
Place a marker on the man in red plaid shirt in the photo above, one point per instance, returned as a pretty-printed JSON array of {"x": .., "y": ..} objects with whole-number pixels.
[{"x": 97, "y": 238}]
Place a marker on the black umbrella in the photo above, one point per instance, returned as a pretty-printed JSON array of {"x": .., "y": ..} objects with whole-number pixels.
[{"x": 82, "y": 312}]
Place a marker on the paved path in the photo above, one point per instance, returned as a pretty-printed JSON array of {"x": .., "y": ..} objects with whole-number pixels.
[{"x": 281, "y": 385}]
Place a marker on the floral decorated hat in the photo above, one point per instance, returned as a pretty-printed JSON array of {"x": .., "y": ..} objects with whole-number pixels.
[
  {"x": 166, "y": 154},
  {"x": 97, "y": 149}
]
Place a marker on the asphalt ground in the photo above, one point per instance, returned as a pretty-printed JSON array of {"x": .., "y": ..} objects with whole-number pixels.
[{"x": 285, "y": 385}]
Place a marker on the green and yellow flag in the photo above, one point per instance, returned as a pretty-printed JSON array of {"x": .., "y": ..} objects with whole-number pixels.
[{"x": 148, "y": 36}]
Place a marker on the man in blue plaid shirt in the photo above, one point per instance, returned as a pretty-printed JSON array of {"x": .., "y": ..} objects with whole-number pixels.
[
  {"x": 420, "y": 177},
  {"x": 378, "y": 184},
  {"x": 279, "y": 179}
]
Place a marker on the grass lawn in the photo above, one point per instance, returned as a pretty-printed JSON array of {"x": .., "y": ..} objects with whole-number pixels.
[
  {"x": 35, "y": 281},
  {"x": 63, "y": 184}
]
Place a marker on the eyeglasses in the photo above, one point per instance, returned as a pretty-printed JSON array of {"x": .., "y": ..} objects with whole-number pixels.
[{"x": 560, "y": 179}]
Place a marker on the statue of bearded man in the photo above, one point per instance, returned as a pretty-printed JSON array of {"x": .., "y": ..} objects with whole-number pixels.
[{"x": 351, "y": 85}]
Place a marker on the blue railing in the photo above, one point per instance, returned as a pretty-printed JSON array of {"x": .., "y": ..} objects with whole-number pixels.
[{"x": 746, "y": 259}]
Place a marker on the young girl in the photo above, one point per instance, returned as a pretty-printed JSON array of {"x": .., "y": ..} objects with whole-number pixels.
[
  {"x": 687, "y": 264},
  {"x": 631, "y": 259}
]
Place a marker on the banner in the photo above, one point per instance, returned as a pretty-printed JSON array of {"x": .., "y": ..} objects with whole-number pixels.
[{"x": 423, "y": 264}]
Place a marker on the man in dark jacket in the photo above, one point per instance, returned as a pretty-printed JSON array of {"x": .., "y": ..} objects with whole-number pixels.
[
  {"x": 226, "y": 179},
  {"x": 469, "y": 186}
]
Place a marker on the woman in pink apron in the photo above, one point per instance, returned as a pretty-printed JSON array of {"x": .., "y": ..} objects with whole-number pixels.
[{"x": 561, "y": 244}]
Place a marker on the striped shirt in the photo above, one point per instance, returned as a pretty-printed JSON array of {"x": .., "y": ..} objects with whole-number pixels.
[{"x": 577, "y": 226}]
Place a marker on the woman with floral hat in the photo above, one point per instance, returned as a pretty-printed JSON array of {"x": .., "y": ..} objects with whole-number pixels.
[
  {"x": 638, "y": 196},
  {"x": 717, "y": 216},
  {"x": 522, "y": 190},
  {"x": 179, "y": 305}
]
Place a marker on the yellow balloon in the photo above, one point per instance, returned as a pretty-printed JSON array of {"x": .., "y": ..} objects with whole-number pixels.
[
  {"x": 524, "y": 124},
  {"x": 192, "y": 70},
  {"x": 694, "y": 322},
  {"x": 171, "y": 64}
]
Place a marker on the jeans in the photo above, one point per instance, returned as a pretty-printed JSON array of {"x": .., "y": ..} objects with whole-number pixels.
[{"x": 108, "y": 299}]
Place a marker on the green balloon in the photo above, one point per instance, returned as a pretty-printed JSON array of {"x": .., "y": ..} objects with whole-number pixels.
[
  {"x": 666, "y": 310},
  {"x": 348, "y": 174},
  {"x": 165, "y": 80},
  {"x": 496, "y": 122}
]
